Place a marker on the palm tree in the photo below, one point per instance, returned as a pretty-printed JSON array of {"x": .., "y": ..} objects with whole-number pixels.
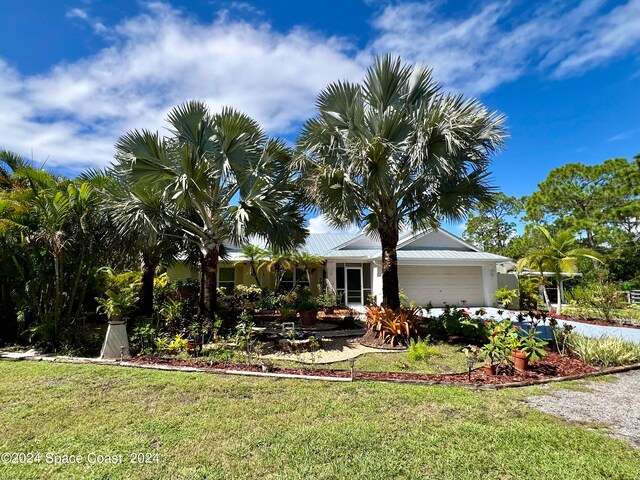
[
  {"x": 559, "y": 255},
  {"x": 394, "y": 151},
  {"x": 255, "y": 257},
  {"x": 308, "y": 263},
  {"x": 139, "y": 214},
  {"x": 226, "y": 180},
  {"x": 278, "y": 263}
]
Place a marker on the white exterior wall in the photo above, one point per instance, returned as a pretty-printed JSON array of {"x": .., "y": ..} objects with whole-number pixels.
[
  {"x": 376, "y": 282},
  {"x": 490, "y": 284},
  {"x": 331, "y": 274}
]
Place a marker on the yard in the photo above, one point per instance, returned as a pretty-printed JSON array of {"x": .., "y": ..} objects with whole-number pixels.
[{"x": 208, "y": 426}]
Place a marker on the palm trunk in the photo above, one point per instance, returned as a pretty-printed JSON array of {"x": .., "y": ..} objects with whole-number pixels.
[
  {"x": 210, "y": 282},
  {"x": 149, "y": 265},
  {"x": 254, "y": 273},
  {"x": 560, "y": 293},
  {"x": 390, "y": 284}
]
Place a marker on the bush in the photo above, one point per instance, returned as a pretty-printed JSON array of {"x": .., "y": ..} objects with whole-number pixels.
[
  {"x": 601, "y": 296},
  {"x": 395, "y": 327},
  {"x": 421, "y": 350},
  {"x": 605, "y": 351},
  {"x": 504, "y": 296}
]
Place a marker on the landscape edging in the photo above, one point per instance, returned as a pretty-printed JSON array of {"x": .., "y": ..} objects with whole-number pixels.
[{"x": 497, "y": 386}]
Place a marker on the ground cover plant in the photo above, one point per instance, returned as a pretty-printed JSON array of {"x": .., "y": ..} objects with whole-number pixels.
[{"x": 207, "y": 426}]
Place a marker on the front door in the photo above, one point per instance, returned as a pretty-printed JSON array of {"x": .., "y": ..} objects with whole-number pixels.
[{"x": 354, "y": 286}]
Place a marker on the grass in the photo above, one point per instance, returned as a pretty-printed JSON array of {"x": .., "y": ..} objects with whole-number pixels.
[{"x": 209, "y": 426}]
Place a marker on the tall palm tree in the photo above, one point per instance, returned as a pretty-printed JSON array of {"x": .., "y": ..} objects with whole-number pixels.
[
  {"x": 225, "y": 179},
  {"x": 140, "y": 214},
  {"x": 396, "y": 151},
  {"x": 559, "y": 255}
]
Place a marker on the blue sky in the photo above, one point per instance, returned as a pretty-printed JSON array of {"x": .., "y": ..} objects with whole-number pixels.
[{"x": 76, "y": 74}]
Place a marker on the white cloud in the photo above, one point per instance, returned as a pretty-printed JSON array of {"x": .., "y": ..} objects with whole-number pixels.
[
  {"x": 74, "y": 113},
  {"x": 319, "y": 224},
  {"x": 495, "y": 44},
  {"x": 77, "y": 13}
]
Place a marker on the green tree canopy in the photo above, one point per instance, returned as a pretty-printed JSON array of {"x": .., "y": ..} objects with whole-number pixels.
[
  {"x": 396, "y": 151},
  {"x": 602, "y": 202},
  {"x": 491, "y": 226},
  {"x": 225, "y": 179}
]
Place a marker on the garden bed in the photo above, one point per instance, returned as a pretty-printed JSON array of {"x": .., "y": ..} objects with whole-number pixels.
[
  {"x": 599, "y": 321},
  {"x": 552, "y": 365}
]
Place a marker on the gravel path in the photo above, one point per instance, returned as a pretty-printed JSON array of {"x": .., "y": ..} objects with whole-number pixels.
[{"x": 616, "y": 404}]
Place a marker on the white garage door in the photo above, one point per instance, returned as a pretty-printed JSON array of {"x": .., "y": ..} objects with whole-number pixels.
[{"x": 424, "y": 284}]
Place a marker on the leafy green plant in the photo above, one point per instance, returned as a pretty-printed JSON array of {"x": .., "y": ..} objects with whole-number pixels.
[
  {"x": 287, "y": 314},
  {"x": 250, "y": 293},
  {"x": 505, "y": 296},
  {"x": 304, "y": 300},
  {"x": 177, "y": 345},
  {"x": 172, "y": 311},
  {"x": 605, "y": 351},
  {"x": 327, "y": 298},
  {"x": 269, "y": 301},
  {"x": 421, "y": 350}
]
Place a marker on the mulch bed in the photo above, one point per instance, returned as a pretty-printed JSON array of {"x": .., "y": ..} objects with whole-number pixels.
[
  {"x": 370, "y": 339},
  {"x": 598, "y": 321},
  {"x": 551, "y": 366}
]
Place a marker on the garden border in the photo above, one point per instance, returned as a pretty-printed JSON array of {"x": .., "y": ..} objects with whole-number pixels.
[{"x": 473, "y": 386}]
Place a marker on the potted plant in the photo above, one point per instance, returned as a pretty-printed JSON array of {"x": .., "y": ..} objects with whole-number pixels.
[
  {"x": 307, "y": 307},
  {"x": 525, "y": 348},
  {"x": 327, "y": 301},
  {"x": 117, "y": 304}
]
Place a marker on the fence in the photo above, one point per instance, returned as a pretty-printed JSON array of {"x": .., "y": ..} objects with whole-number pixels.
[{"x": 634, "y": 296}]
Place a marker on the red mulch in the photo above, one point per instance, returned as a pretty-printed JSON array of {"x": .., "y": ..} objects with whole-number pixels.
[
  {"x": 550, "y": 366},
  {"x": 598, "y": 321}
]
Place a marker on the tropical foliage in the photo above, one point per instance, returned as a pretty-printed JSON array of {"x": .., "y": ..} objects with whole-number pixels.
[
  {"x": 396, "y": 151},
  {"x": 224, "y": 179}
]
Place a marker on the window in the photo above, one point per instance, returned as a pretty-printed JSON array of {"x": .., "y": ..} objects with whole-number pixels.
[
  {"x": 227, "y": 279},
  {"x": 293, "y": 279}
]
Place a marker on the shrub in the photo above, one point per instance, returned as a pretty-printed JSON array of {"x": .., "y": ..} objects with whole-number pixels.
[
  {"x": 393, "y": 326},
  {"x": 459, "y": 323},
  {"x": 421, "y": 350},
  {"x": 249, "y": 293},
  {"x": 605, "y": 351},
  {"x": 601, "y": 296},
  {"x": 504, "y": 296},
  {"x": 177, "y": 345},
  {"x": 327, "y": 298}
]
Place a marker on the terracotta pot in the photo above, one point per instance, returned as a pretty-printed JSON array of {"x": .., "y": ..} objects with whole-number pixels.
[
  {"x": 490, "y": 370},
  {"x": 520, "y": 360},
  {"x": 310, "y": 317}
]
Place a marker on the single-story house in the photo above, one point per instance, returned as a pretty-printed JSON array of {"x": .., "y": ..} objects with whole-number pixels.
[{"x": 433, "y": 266}]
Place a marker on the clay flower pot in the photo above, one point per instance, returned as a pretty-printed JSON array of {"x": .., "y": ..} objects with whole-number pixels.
[
  {"x": 520, "y": 360},
  {"x": 310, "y": 317},
  {"x": 490, "y": 370}
]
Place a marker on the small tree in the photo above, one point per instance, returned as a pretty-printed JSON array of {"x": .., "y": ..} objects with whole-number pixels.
[{"x": 559, "y": 256}]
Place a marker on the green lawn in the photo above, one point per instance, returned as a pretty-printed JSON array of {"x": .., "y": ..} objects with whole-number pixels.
[{"x": 210, "y": 426}]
